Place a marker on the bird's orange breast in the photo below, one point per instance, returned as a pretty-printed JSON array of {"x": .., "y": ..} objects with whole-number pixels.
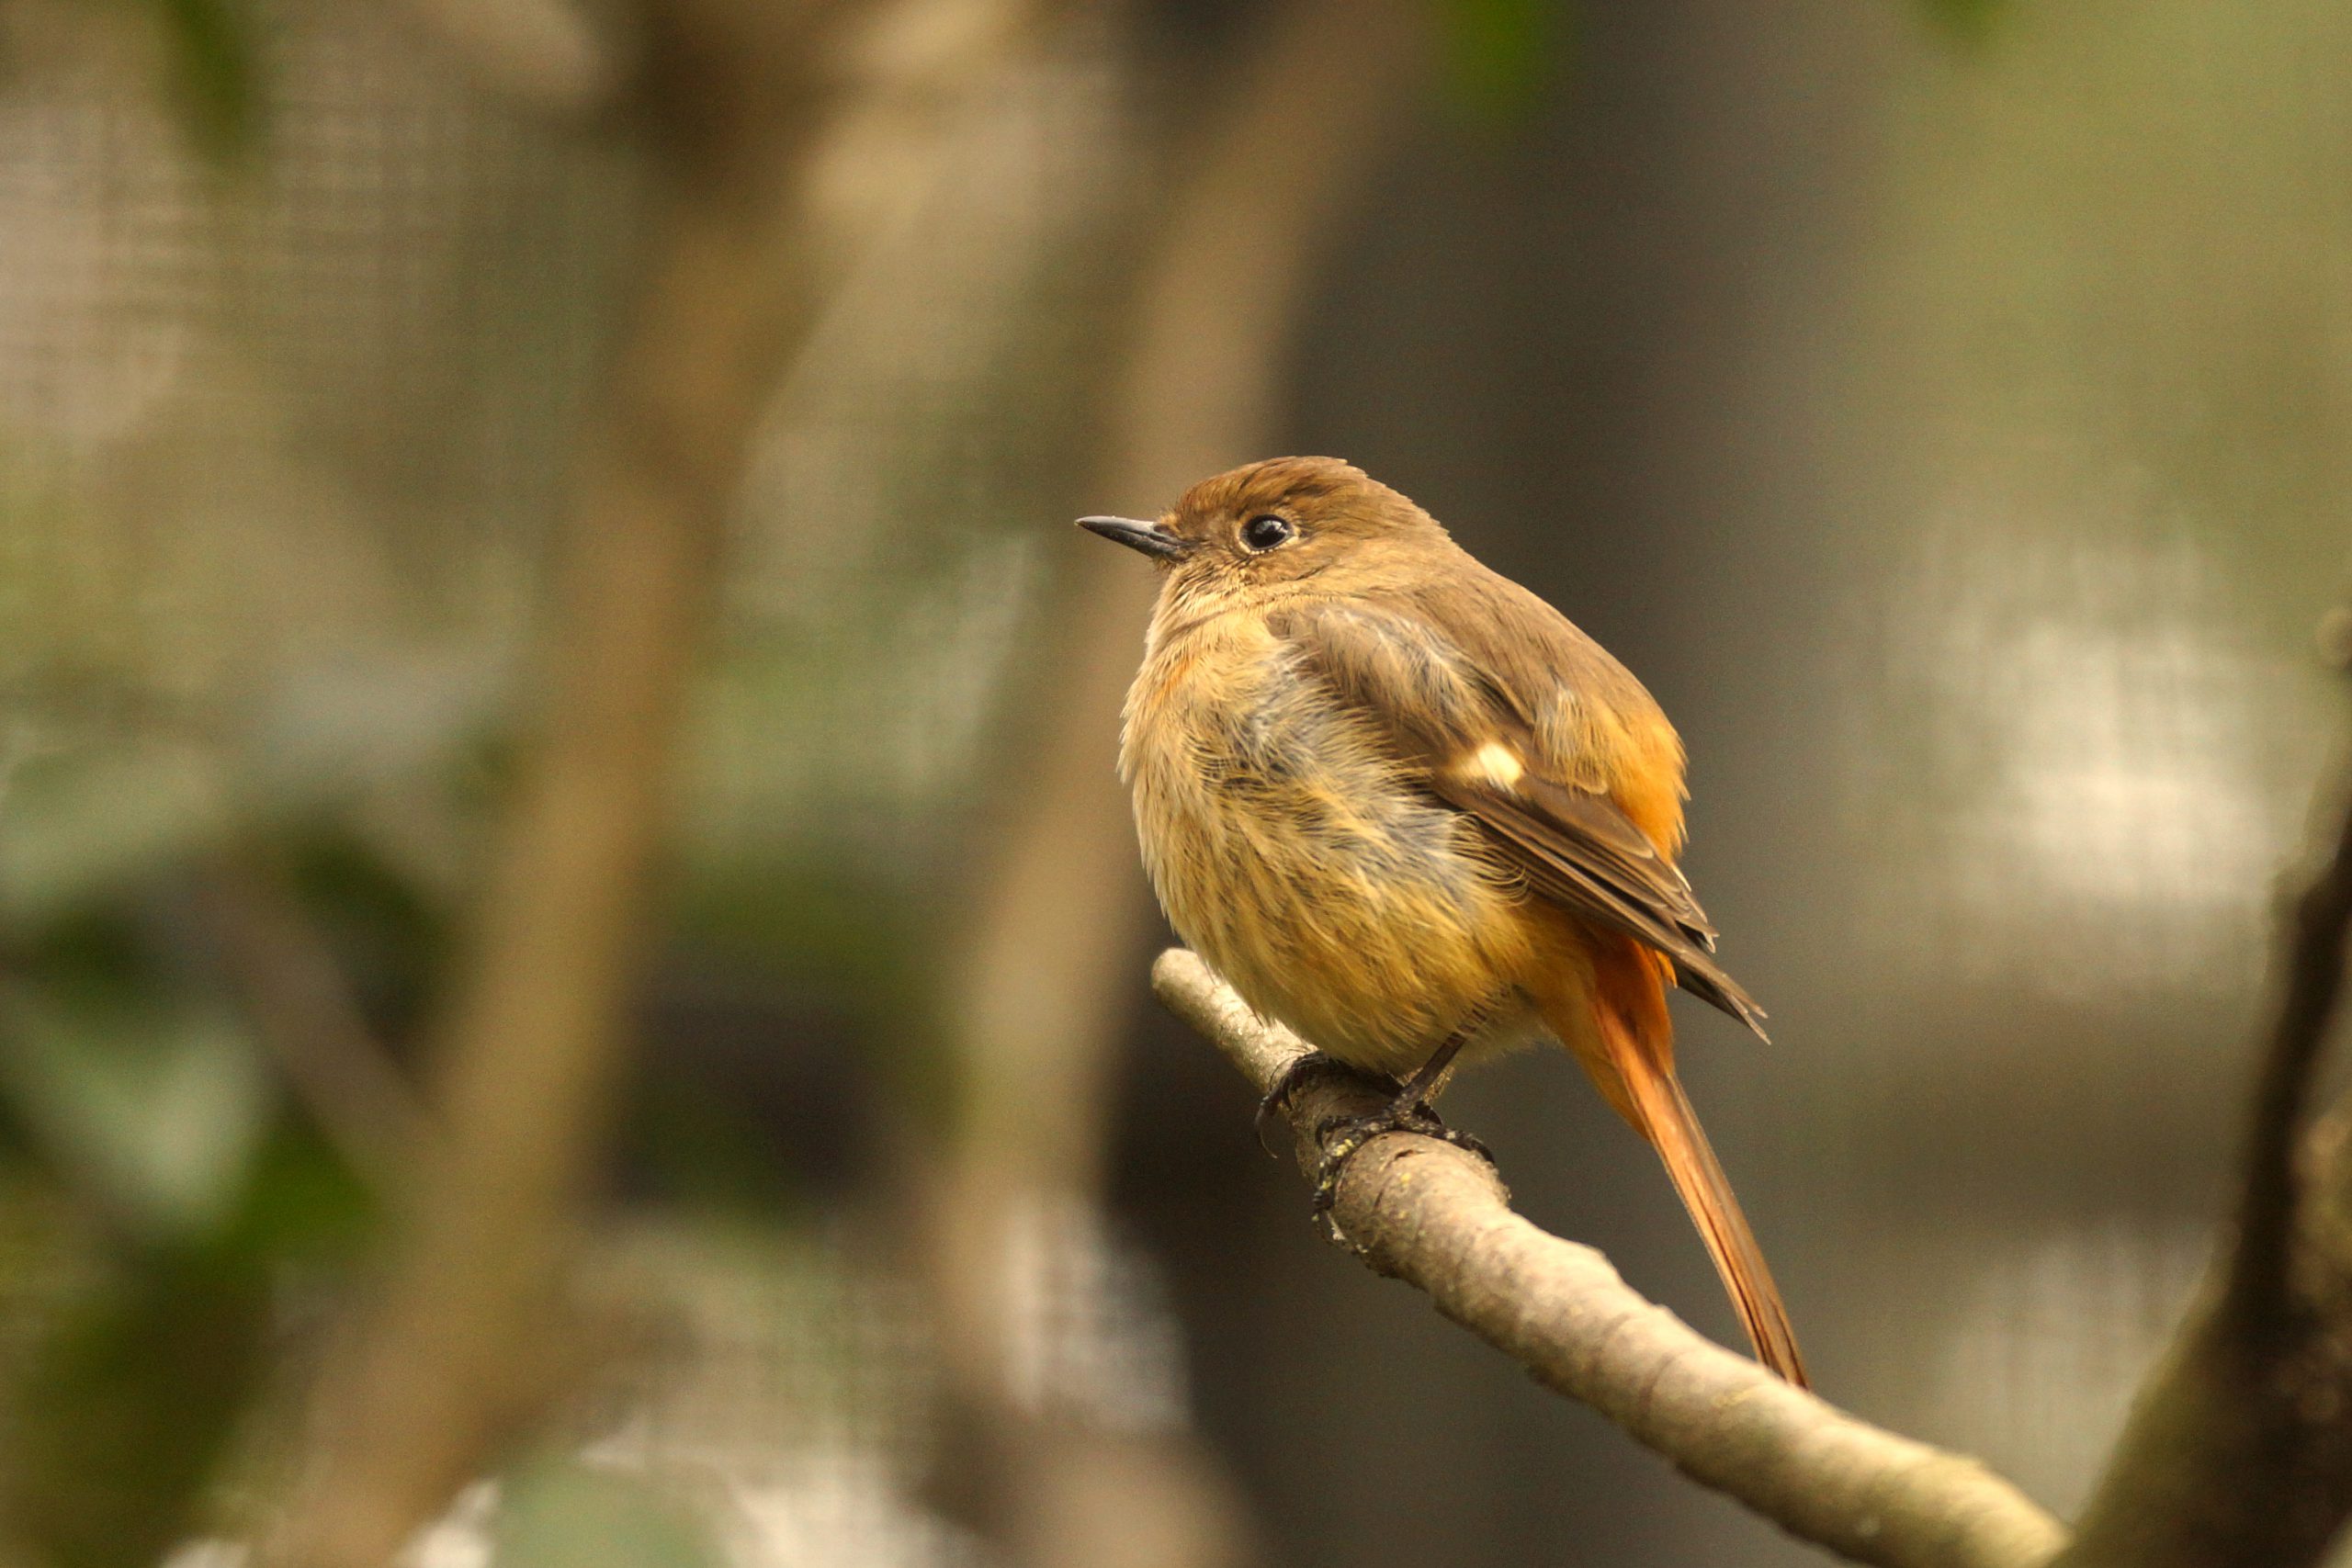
[{"x": 1290, "y": 851}]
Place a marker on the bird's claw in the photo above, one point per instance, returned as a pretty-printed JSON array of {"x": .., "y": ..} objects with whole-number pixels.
[
  {"x": 1355, "y": 1131},
  {"x": 1277, "y": 1098}
]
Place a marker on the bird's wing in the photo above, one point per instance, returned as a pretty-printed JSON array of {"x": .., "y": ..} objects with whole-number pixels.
[{"x": 1540, "y": 739}]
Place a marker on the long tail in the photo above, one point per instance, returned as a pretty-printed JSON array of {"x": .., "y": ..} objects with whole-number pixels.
[{"x": 1630, "y": 1056}]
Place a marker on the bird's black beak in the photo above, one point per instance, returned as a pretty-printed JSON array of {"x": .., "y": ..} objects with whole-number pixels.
[{"x": 1150, "y": 537}]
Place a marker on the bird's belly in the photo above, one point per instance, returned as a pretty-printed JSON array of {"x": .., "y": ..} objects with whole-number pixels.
[{"x": 1288, "y": 852}]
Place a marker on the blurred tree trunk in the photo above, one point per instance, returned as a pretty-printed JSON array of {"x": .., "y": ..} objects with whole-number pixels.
[
  {"x": 1048, "y": 962},
  {"x": 769, "y": 126}
]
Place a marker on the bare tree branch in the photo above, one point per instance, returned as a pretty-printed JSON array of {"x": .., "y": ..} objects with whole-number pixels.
[
  {"x": 2239, "y": 1449},
  {"x": 2310, "y": 990},
  {"x": 305, "y": 1016},
  {"x": 1438, "y": 1218}
]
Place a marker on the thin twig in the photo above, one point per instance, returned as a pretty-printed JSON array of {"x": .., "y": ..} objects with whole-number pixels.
[
  {"x": 305, "y": 1016},
  {"x": 1437, "y": 1217}
]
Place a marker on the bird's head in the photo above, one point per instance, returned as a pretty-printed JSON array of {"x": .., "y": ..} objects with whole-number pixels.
[{"x": 1276, "y": 522}]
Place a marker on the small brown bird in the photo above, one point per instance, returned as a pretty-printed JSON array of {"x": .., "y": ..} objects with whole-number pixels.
[{"x": 1408, "y": 809}]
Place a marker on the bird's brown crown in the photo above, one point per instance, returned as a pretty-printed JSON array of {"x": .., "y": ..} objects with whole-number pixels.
[{"x": 1289, "y": 517}]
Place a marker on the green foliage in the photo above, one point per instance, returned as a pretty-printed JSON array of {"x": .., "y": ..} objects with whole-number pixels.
[
  {"x": 826, "y": 931},
  {"x": 1501, "y": 53},
  {"x": 702, "y": 1150},
  {"x": 138, "y": 1384},
  {"x": 146, "y": 1353},
  {"x": 805, "y": 921},
  {"x": 215, "y": 74},
  {"x": 85, "y": 817},
  {"x": 130, "y": 1404},
  {"x": 1968, "y": 20},
  {"x": 138, "y": 1108},
  {"x": 154, "y": 1104},
  {"x": 392, "y": 939}
]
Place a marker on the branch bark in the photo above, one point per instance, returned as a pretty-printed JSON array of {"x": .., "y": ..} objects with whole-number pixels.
[
  {"x": 2239, "y": 1449},
  {"x": 1424, "y": 1212},
  {"x": 2259, "y": 1278},
  {"x": 303, "y": 1012}
]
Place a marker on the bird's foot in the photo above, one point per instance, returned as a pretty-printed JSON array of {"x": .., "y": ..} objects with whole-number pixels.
[
  {"x": 1277, "y": 1098},
  {"x": 1404, "y": 1114}
]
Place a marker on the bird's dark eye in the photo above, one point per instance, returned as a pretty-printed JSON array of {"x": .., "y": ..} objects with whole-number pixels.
[{"x": 1266, "y": 533}]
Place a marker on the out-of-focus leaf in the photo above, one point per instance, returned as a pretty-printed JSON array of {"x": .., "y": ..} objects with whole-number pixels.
[
  {"x": 1500, "y": 54},
  {"x": 813, "y": 924},
  {"x": 130, "y": 1404},
  {"x": 559, "y": 1515},
  {"x": 79, "y": 822},
  {"x": 391, "y": 938},
  {"x": 329, "y": 732},
  {"x": 1967, "y": 19},
  {"x": 132, "y": 1392},
  {"x": 303, "y": 1204},
  {"x": 213, "y": 64},
  {"x": 852, "y": 945},
  {"x": 704, "y": 1152},
  {"x": 158, "y": 1107}
]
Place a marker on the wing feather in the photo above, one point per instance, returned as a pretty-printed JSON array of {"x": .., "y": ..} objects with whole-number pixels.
[{"x": 1445, "y": 711}]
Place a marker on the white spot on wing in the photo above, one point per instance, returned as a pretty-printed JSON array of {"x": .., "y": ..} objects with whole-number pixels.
[{"x": 1496, "y": 763}]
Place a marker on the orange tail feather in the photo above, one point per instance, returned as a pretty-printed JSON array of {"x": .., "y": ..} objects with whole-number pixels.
[{"x": 1634, "y": 1068}]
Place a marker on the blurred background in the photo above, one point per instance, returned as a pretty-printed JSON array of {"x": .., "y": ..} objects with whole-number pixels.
[{"x": 571, "y": 965}]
